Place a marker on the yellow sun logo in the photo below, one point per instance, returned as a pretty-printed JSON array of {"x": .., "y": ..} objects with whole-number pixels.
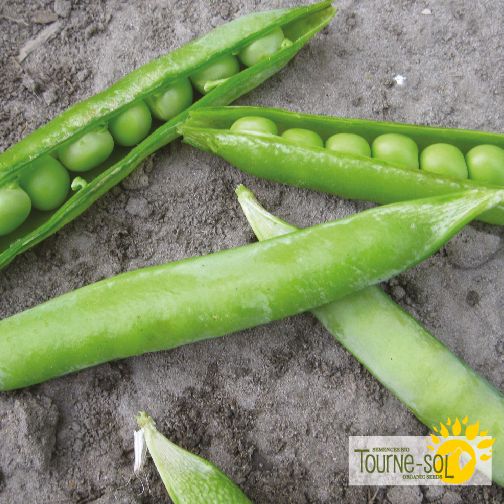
[{"x": 460, "y": 449}]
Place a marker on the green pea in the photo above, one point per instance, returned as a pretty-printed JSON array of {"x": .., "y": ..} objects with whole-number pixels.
[
  {"x": 131, "y": 126},
  {"x": 222, "y": 68},
  {"x": 486, "y": 164},
  {"x": 255, "y": 125},
  {"x": 397, "y": 149},
  {"x": 303, "y": 137},
  {"x": 349, "y": 143},
  {"x": 47, "y": 183},
  {"x": 88, "y": 151},
  {"x": 15, "y": 206},
  {"x": 444, "y": 159},
  {"x": 262, "y": 48},
  {"x": 172, "y": 100}
]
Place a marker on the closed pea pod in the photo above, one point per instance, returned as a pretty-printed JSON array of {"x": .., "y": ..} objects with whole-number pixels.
[
  {"x": 170, "y": 305},
  {"x": 335, "y": 171},
  {"x": 82, "y": 137},
  {"x": 401, "y": 353}
]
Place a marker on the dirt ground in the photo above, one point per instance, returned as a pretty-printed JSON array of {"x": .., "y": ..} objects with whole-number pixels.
[{"x": 272, "y": 406}]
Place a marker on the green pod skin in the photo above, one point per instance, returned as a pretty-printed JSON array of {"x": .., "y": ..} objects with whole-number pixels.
[
  {"x": 416, "y": 367},
  {"x": 299, "y": 24},
  {"x": 167, "y": 306},
  {"x": 352, "y": 177},
  {"x": 188, "y": 479}
]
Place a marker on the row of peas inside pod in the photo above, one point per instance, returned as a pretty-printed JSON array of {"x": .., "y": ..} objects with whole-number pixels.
[
  {"x": 46, "y": 183},
  {"x": 483, "y": 163}
]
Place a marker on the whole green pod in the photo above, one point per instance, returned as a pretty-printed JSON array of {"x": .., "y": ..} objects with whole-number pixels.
[
  {"x": 415, "y": 366},
  {"x": 166, "y": 306}
]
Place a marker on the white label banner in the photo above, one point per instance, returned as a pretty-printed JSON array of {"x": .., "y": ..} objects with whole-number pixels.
[{"x": 420, "y": 460}]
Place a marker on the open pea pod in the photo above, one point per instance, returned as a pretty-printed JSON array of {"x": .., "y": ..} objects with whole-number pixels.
[
  {"x": 102, "y": 139},
  {"x": 296, "y": 149}
]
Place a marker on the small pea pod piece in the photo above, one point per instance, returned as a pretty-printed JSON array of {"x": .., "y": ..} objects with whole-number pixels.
[
  {"x": 170, "y": 305},
  {"x": 188, "y": 479},
  {"x": 149, "y": 84},
  {"x": 349, "y": 175},
  {"x": 399, "y": 352}
]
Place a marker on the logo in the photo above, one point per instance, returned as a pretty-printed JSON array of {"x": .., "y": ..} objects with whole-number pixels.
[
  {"x": 455, "y": 453},
  {"x": 459, "y": 449}
]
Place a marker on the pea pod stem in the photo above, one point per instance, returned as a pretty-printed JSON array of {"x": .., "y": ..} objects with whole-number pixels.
[
  {"x": 422, "y": 373},
  {"x": 166, "y": 306},
  {"x": 275, "y": 158},
  {"x": 188, "y": 479},
  {"x": 300, "y": 23}
]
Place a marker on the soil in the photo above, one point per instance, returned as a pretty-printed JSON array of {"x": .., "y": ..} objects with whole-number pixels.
[{"x": 272, "y": 406}]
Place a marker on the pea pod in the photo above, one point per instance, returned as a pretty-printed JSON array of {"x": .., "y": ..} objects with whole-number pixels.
[
  {"x": 80, "y": 136},
  {"x": 425, "y": 375},
  {"x": 167, "y": 306},
  {"x": 188, "y": 479},
  {"x": 348, "y": 175}
]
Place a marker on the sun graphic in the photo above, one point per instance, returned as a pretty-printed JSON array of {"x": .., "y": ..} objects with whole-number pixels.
[{"x": 461, "y": 455}]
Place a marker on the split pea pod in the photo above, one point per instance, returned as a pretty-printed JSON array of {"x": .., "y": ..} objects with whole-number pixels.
[
  {"x": 378, "y": 161},
  {"x": 101, "y": 140},
  {"x": 415, "y": 366},
  {"x": 166, "y": 306}
]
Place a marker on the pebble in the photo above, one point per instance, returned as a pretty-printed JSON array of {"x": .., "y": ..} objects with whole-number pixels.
[
  {"x": 138, "y": 206},
  {"x": 472, "y": 248},
  {"x": 62, "y": 8}
]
